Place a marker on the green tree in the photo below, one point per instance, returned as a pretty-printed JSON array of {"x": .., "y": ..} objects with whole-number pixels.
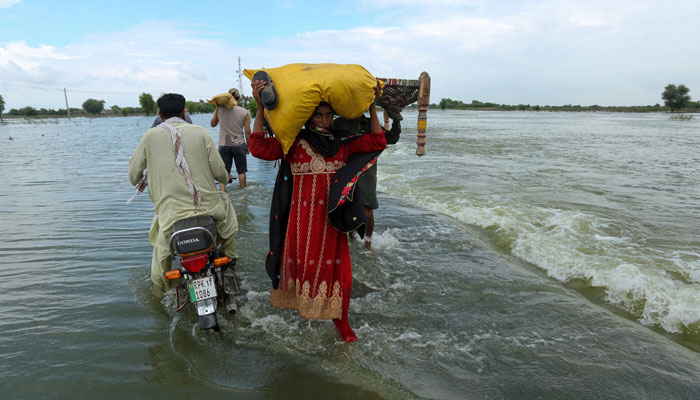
[
  {"x": 29, "y": 111},
  {"x": 245, "y": 100},
  {"x": 191, "y": 107},
  {"x": 676, "y": 97},
  {"x": 124, "y": 112},
  {"x": 252, "y": 106},
  {"x": 2, "y": 106},
  {"x": 201, "y": 107},
  {"x": 443, "y": 104},
  {"x": 206, "y": 107},
  {"x": 115, "y": 109},
  {"x": 92, "y": 106},
  {"x": 147, "y": 104}
]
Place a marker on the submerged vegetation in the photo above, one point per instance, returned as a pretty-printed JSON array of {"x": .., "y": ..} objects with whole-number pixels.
[{"x": 682, "y": 117}]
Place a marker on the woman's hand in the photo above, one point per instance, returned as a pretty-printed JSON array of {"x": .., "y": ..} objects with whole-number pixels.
[
  {"x": 377, "y": 91},
  {"x": 257, "y": 87},
  {"x": 374, "y": 119}
]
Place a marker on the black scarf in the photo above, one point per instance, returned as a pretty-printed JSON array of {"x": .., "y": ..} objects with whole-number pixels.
[
  {"x": 327, "y": 142},
  {"x": 279, "y": 216}
]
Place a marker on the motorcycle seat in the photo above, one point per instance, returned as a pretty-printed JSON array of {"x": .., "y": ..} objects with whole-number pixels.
[
  {"x": 203, "y": 221},
  {"x": 189, "y": 236}
]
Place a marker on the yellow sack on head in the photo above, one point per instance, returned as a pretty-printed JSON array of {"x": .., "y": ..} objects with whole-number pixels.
[
  {"x": 348, "y": 88},
  {"x": 223, "y": 100}
]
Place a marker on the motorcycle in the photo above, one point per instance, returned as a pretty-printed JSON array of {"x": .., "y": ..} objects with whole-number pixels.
[{"x": 207, "y": 279}]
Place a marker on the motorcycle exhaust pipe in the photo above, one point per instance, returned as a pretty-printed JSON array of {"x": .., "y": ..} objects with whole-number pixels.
[
  {"x": 231, "y": 289},
  {"x": 231, "y": 305}
]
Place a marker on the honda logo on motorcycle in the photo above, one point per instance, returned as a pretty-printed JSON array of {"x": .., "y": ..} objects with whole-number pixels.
[{"x": 188, "y": 241}]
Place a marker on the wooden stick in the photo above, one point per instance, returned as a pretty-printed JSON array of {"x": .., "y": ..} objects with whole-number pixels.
[{"x": 423, "y": 102}]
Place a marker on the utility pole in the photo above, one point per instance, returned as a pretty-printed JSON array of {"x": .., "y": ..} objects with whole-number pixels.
[
  {"x": 240, "y": 80},
  {"x": 65, "y": 96}
]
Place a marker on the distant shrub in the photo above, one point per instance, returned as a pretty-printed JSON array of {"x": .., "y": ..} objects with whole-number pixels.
[
  {"x": 92, "y": 106},
  {"x": 682, "y": 117}
]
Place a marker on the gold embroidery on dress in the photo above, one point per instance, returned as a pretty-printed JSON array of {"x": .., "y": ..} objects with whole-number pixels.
[
  {"x": 309, "y": 225},
  {"x": 284, "y": 298},
  {"x": 285, "y": 267},
  {"x": 320, "y": 300},
  {"x": 323, "y": 241},
  {"x": 318, "y": 307},
  {"x": 305, "y": 297},
  {"x": 336, "y": 299},
  {"x": 317, "y": 165},
  {"x": 301, "y": 186}
]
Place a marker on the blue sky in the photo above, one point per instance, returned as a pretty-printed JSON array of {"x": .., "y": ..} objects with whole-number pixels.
[{"x": 530, "y": 51}]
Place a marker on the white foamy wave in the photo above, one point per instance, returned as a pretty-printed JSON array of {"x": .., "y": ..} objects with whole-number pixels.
[
  {"x": 410, "y": 336},
  {"x": 401, "y": 149},
  {"x": 274, "y": 324},
  {"x": 609, "y": 238},
  {"x": 253, "y": 295},
  {"x": 688, "y": 262},
  {"x": 640, "y": 288},
  {"x": 581, "y": 245},
  {"x": 389, "y": 239}
]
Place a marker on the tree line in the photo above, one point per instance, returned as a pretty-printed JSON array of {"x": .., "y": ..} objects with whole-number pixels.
[
  {"x": 676, "y": 98},
  {"x": 94, "y": 107}
]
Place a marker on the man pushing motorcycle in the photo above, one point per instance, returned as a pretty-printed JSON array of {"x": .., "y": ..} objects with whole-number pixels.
[{"x": 179, "y": 163}]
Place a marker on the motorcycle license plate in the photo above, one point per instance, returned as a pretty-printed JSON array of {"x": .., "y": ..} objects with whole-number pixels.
[{"x": 201, "y": 289}]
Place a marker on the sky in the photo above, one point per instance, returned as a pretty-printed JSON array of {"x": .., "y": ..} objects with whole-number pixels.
[{"x": 544, "y": 52}]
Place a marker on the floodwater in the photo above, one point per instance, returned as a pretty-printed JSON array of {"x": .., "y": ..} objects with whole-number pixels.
[{"x": 526, "y": 255}]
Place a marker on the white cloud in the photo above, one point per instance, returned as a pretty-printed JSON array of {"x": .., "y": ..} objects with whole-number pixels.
[
  {"x": 132, "y": 61},
  {"x": 537, "y": 52},
  {"x": 21, "y": 51},
  {"x": 8, "y": 3}
]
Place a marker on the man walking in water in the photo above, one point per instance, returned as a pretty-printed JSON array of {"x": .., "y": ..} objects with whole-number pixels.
[
  {"x": 367, "y": 183},
  {"x": 234, "y": 134}
]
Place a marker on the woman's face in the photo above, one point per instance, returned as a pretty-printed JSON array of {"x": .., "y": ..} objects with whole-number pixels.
[{"x": 322, "y": 118}]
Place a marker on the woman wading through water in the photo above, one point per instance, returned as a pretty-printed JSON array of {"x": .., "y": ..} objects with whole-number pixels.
[{"x": 315, "y": 271}]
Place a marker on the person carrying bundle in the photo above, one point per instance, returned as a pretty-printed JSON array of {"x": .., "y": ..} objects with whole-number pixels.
[
  {"x": 234, "y": 133},
  {"x": 309, "y": 261}
]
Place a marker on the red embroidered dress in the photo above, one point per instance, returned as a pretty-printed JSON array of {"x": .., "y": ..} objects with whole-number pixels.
[{"x": 315, "y": 270}]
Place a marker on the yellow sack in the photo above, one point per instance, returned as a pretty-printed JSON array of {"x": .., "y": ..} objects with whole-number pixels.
[
  {"x": 223, "y": 100},
  {"x": 348, "y": 88}
]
